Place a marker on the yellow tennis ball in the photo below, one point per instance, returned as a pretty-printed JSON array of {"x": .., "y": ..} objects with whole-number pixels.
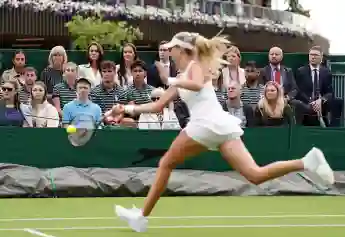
[{"x": 71, "y": 129}]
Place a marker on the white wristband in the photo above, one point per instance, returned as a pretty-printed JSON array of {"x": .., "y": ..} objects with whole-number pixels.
[
  {"x": 171, "y": 81},
  {"x": 129, "y": 109}
]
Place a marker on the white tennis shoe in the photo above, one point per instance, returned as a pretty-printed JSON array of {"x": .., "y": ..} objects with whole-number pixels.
[
  {"x": 134, "y": 217},
  {"x": 316, "y": 162}
]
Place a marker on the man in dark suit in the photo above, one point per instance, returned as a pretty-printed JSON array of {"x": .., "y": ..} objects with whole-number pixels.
[
  {"x": 162, "y": 68},
  {"x": 280, "y": 74},
  {"x": 316, "y": 92}
]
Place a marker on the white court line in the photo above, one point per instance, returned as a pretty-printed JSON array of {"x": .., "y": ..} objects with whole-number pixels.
[
  {"x": 179, "y": 217},
  {"x": 38, "y": 233},
  {"x": 180, "y": 227}
]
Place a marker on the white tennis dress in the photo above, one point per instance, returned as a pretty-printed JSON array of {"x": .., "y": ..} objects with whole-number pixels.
[{"x": 209, "y": 124}]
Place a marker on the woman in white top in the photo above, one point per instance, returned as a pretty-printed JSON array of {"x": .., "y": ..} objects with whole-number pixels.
[
  {"x": 39, "y": 113},
  {"x": 92, "y": 70},
  {"x": 209, "y": 127},
  {"x": 128, "y": 56},
  {"x": 233, "y": 71}
]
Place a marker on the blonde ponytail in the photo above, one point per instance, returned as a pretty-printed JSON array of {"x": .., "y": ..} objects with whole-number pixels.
[{"x": 210, "y": 51}]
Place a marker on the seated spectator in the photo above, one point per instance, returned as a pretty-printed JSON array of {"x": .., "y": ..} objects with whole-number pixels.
[
  {"x": 124, "y": 74},
  {"x": 217, "y": 82},
  {"x": 108, "y": 92},
  {"x": 30, "y": 77},
  {"x": 65, "y": 91},
  {"x": 236, "y": 107},
  {"x": 17, "y": 71},
  {"x": 164, "y": 67},
  {"x": 316, "y": 93},
  {"x": 92, "y": 70},
  {"x": 272, "y": 109},
  {"x": 40, "y": 113},
  {"x": 82, "y": 105},
  {"x": 233, "y": 71},
  {"x": 252, "y": 90},
  {"x": 10, "y": 112},
  {"x": 163, "y": 120},
  {"x": 52, "y": 74},
  {"x": 139, "y": 92}
]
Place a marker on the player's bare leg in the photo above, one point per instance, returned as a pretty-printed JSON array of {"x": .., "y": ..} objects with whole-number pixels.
[
  {"x": 237, "y": 155},
  {"x": 182, "y": 148}
]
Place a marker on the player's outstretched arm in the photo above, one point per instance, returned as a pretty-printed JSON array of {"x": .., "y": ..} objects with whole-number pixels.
[{"x": 152, "y": 107}]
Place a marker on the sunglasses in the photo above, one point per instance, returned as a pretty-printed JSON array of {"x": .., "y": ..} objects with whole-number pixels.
[
  {"x": 154, "y": 98},
  {"x": 7, "y": 89},
  {"x": 70, "y": 70}
]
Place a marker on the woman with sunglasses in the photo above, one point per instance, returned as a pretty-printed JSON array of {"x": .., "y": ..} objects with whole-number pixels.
[{"x": 10, "y": 112}]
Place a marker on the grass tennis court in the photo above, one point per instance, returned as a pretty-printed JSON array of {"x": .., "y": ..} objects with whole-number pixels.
[{"x": 303, "y": 216}]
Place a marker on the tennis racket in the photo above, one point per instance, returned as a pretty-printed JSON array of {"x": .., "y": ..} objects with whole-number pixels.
[{"x": 86, "y": 128}]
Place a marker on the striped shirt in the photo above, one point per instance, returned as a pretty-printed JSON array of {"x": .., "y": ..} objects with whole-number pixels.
[
  {"x": 251, "y": 95},
  {"x": 139, "y": 96},
  {"x": 51, "y": 77},
  {"x": 222, "y": 96},
  {"x": 65, "y": 93},
  {"x": 106, "y": 99},
  {"x": 24, "y": 95}
]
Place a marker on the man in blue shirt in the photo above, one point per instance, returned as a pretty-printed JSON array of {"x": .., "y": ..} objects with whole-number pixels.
[{"x": 81, "y": 106}]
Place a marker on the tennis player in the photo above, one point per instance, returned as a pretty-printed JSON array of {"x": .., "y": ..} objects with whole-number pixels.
[{"x": 209, "y": 128}]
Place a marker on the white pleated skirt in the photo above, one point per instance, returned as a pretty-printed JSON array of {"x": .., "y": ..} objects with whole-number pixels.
[{"x": 214, "y": 129}]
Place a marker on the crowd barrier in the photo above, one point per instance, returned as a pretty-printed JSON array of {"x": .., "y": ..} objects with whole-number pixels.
[{"x": 123, "y": 148}]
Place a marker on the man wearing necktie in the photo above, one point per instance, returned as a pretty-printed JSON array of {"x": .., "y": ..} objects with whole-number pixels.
[
  {"x": 279, "y": 73},
  {"x": 316, "y": 92},
  {"x": 316, "y": 101}
]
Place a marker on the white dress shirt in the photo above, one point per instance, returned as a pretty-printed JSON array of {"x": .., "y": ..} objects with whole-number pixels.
[{"x": 86, "y": 71}]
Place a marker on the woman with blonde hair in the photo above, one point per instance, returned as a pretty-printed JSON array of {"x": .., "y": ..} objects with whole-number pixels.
[
  {"x": 233, "y": 71},
  {"x": 40, "y": 113},
  {"x": 53, "y": 73},
  {"x": 272, "y": 109},
  {"x": 209, "y": 128}
]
